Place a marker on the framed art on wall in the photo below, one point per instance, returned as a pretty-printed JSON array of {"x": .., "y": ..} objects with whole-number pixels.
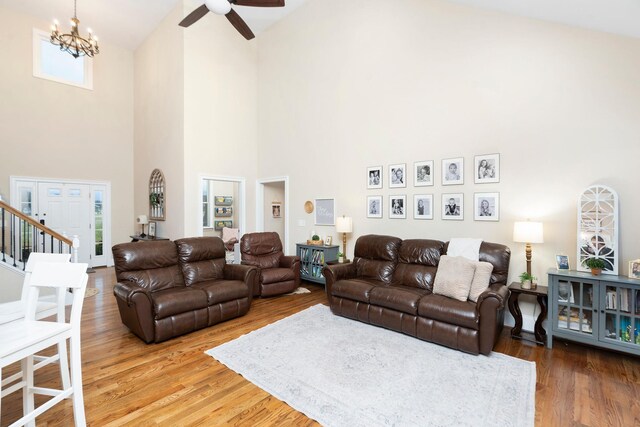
[
  {"x": 374, "y": 177},
  {"x": 223, "y": 211},
  {"x": 374, "y": 207},
  {"x": 453, "y": 206},
  {"x": 486, "y": 206},
  {"x": 219, "y": 225},
  {"x": 487, "y": 168},
  {"x": 276, "y": 210},
  {"x": 398, "y": 206},
  {"x": 398, "y": 175},
  {"x": 325, "y": 213},
  {"x": 423, "y": 206},
  {"x": 453, "y": 171},
  {"x": 223, "y": 200},
  {"x": 423, "y": 173}
]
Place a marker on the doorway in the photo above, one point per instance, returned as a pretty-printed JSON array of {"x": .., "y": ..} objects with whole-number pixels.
[{"x": 272, "y": 207}]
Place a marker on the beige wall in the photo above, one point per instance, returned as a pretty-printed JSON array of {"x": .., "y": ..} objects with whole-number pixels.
[
  {"x": 159, "y": 119},
  {"x": 274, "y": 191},
  {"x": 53, "y": 130}
]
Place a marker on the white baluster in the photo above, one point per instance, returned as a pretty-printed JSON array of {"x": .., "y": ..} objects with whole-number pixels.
[{"x": 76, "y": 245}]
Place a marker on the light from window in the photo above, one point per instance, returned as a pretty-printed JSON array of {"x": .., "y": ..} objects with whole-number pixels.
[{"x": 49, "y": 62}]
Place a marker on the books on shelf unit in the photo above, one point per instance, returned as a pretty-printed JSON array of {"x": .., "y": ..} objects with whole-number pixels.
[
  {"x": 313, "y": 259},
  {"x": 612, "y": 302}
]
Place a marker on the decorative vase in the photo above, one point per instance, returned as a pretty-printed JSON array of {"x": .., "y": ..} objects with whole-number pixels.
[
  {"x": 526, "y": 284},
  {"x": 596, "y": 271}
]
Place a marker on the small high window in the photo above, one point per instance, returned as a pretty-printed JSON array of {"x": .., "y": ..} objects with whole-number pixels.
[{"x": 51, "y": 63}]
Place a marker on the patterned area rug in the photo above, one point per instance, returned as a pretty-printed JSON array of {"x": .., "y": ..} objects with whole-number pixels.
[
  {"x": 299, "y": 290},
  {"x": 342, "y": 372},
  {"x": 90, "y": 292}
]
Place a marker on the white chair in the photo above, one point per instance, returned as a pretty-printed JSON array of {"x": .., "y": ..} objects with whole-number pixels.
[{"x": 23, "y": 338}]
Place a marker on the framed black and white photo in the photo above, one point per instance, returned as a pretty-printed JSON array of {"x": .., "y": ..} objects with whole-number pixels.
[
  {"x": 487, "y": 168},
  {"x": 152, "y": 229},
  {"x": 423, "y": 206},
  {"x": 374, "y": 177},
  {"x": 453, "y": 171},
  {"x": 374, "y": 207},
  {"x": 562, "y": 262},
  {"x": 486, "y": 206},
  {"x": 276, "y": 210},
  {"x": 398, "y": 206},
  {"x": 325, "y": 213},
  {"x": 328, "y": 240},
  {"x": 453, "y": 206},
  {"x": 398, "y": 175},
  {"x": 423, "y": 173},
  {"x": 634, "y": 273}
]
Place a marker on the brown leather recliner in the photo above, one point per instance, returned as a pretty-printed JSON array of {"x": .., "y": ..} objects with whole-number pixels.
[
  {"x": 166, "y": 288},
  {"x": 278, "y": 274}
]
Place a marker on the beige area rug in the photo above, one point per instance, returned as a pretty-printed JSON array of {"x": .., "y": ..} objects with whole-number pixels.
[
  {"x": 91, "y": 292},
  {"x": 342, "y": 372},
  {"x": 299, "y": 290}
]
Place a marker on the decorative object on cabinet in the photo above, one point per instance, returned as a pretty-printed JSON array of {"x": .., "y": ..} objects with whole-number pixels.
[
  {"x": 423, "y": 173},
  {"x": 313, "y": 259},
  {"x": 223, "y": 200},
  {"x": 487, "y": 168},
  {"x": 486, "y": 206},
  {"x": 634, "y": 269},
  {"x": 453, "y": 171},
  {"x": 142, "y": 220},
  {"x": 527, "y": 281},
  {"x": 344, "y": 225},
  {"x": 328, "y": 240},
  {"x": 398, "y": 175},
  {"x": 423, "y": 206},
  {"x": 308, "y": 206},
  {"x": 152, "y": 229},
  {"x": 603, "y": 311},
  {"x": 595, "y": 265},
  {"x": 528, "y": 232},
  {"x": 453, "y": 206},
  {"x": 276, "y": 209},
  {"x": 562, "y": 262},
  {"x": 514, "y": 308},
  {"x": 598, "y": 228},
  {"x": 223, "y": 211},
  {"x": 374, "y": 177},
  {"x": 315, "y": 240},
  {"x": 157, "y": 196},
  {"x": 374, "y": 207},
  {"x": 325, "y": 212},
  {"x": 398, "y": 206}
]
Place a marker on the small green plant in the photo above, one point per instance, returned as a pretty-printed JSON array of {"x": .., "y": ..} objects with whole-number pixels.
[
  {"x": 315, "y": 237},
  {"x": 340, "y": 254},
  {"x": 594, "y": 263},
  {"x": 524, "y": 277}
]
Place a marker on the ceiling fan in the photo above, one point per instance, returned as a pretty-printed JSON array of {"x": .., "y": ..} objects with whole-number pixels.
[{"x": 223, "y": 7}]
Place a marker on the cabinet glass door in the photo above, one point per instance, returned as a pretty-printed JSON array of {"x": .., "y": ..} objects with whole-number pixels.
[
  {"x": 575, "y": 304},
  {"x": 622, "y": 314}
]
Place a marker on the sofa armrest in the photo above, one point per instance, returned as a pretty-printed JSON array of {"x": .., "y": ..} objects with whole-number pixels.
[
  {"x": 136, "y": 309},
  {"x": 497, "y": 291},
  {"x": 490, "y": 308},
  {"x": 126, "y": 291},
  {"x": 290, "y": 261},
  {"x": 335, "y": 272},
  {"x": 245, "y": 273}
]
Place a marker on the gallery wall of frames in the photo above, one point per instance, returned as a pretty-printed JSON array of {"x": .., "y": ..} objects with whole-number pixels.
[{"x": 422, "y": 177}]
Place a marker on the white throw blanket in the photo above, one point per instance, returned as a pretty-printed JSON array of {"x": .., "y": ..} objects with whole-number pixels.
[{"x": 465, "y": 247}]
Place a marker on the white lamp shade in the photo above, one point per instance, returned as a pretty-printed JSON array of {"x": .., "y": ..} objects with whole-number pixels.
[
  {"x": 142, "y": 219},
  {"x": 528, "y": 232},
  {"x": 344, "y": 224}
]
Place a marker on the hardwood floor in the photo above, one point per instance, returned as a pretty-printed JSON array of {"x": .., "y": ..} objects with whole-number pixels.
[{"x": 127, "y": 382}]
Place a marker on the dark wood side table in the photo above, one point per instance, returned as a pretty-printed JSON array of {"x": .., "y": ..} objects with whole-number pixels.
[
  {"x": 514, "y": 308},
  {"x": 147, "y": 238}
]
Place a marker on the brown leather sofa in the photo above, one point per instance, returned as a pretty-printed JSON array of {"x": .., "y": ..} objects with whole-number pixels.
[
  {"x": 166, "y": 288},
  {"x": 390, "y": 283},
  {"x": 278, "y": 274}
]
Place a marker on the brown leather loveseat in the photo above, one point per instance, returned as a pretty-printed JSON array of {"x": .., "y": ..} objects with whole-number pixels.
[
  {"x": 166, "y": 288},
  {"x": 390, "y": 284}
]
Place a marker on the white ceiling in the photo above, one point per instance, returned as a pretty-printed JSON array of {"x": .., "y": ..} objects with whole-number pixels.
[{"x": 128, "y": 22}]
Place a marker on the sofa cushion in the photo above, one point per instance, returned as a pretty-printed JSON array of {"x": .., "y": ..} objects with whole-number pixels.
[
  {"x": 354, "y": 289},
  {"x": 170, "y": 302},
  {"x": 417, "y": 263},
  {"x": 376, "y": 256},
  {"x": 441, "y": 308},
  {"x": 400, "y": 298},
  {"x": 219, "y": 291},
  {"x": 274, "y": 275},
  {"x": 454, "y": 277},
  {"x": 263, "y": 250},
  {"x": 151, "y": 265},
  {"x": 481, "y": 279}
]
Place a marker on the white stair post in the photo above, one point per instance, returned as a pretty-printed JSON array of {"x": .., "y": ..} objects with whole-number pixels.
[{"x": 75, "y": 245}]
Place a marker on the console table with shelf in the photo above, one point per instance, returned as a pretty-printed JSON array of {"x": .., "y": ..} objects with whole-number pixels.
[
  {"x": 603, "y": 310},
  {"x": 313, "y": 259}
]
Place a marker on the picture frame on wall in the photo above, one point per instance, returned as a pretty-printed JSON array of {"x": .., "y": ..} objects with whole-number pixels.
[
  {"x": 423, "y": 173},
  {"x": 276, "y": 210},
  {"x": 453, "y": 171},
  {"x": 223, "y": 200},
  {"x": 453, "y": 206},
  {"x": 152, "y": 229},
  {"x": 562, "y": 262},
  {"x": 220, "y": 224},
  {"x": 374, "y": 177},
  {"x": 487, "y": 168},
  {"x": 634, "y": 269},
  {"x": 374, "y": 207},
  {"x": 223, "y": 211},
  {"x": 486, "y": 206},
  {"x": 398, "y": 206},
  {"x": 398, "y": 175},
  {"x": 325, "y": 212},
  {"x": 423, "y": 206}
]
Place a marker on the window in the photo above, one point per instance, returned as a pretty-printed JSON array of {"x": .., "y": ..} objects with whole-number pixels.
[
  {"x": 51, "y": 63},
  {"x": 98, "y": 212}
]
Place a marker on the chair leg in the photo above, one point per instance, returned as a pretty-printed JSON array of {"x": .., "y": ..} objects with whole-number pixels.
[
  {"x": 76, "y": 381},
  {"x": 28, "y": 403},
  {"x": 64, "y": 364}
]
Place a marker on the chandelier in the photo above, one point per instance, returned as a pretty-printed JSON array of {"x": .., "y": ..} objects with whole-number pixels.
[{"x": 73, "y": 43}]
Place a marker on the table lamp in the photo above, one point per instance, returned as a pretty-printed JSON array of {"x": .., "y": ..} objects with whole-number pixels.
[
  {"x": 528, "y": 232},
  {"x": 344, "y": 225},
  {"x": 142, "y": 220}
]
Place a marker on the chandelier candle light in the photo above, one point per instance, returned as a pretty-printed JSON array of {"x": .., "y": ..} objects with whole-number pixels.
[{"x": 73, "y": 43}]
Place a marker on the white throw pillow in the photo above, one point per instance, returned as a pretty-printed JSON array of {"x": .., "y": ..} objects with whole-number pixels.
[
  {"x": 229, "y": 233},
  {"x": 454, "y": 277},
  {"x": 481, "y": 279}
]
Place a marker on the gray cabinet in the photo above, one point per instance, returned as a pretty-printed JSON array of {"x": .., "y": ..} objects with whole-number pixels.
[
  {"x": 598, "y": 310},
  {"x": 313, "y": 259}
]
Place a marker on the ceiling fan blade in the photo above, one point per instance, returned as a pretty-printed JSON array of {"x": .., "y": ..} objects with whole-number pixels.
[
  {"x": 259, "y": 3},
  {"x": 194, "y": 16},
  {"x": 240, "y": 25}
]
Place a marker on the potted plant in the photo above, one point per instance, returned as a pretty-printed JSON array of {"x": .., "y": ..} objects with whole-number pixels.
[
  {"x": 527, "y": 281},
  {"x": 340, "y": 257},
  {"x": 595, "y": 264},
  {"x": 315, "y": 240}
]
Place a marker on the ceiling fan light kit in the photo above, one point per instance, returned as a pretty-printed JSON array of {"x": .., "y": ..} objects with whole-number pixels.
[{"x": 219, "y": 7}]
